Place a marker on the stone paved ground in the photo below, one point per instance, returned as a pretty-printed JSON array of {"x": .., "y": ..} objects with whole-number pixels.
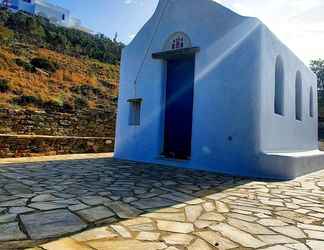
[{"x": 106, "y": 204}]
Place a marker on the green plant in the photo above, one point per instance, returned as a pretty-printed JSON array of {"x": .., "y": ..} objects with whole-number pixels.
[
  {"x": 81, "y": 103},
  {"x": 27, "y": 100},
  {"x": 52, "y": 105},
  {"x": 23, "y": 23},
  {"x": 44, "y": 64},
  {"x": 317, "y": 66},
  {"x": 67, "y": 107},
  {"x": 6, "y": 35},
  {"x": 60, "y": 99},
  {"x": 4, "y": 85},
  {"x": 87, "y": 91},
  {"x": 26, "y": 65},
  {"x": 38, "y": 30}
]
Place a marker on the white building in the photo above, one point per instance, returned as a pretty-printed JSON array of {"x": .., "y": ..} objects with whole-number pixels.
[
  {"x": 53, "y": 13},
  {"x": 203, "y": 87}
]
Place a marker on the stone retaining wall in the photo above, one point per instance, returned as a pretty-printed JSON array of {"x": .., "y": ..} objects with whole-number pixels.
[
  {"x": 98, "y": 123},
  {"x": 27, "y": 146}
]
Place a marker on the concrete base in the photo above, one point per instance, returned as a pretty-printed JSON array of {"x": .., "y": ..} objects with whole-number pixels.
[
  {"x": 267, "y": 165},
  {"x": 291, "y": 165}
]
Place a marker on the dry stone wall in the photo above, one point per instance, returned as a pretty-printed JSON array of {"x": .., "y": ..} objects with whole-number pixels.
[
  {"x": 30, "y": 133},
  {"x": 28, "y": 146},
  {"x": 93, "y": 123}
]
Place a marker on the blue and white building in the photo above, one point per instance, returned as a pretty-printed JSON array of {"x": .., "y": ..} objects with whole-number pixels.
[
  {"x": 206, "y": 88},
  {"x": 55, "y": 14}
]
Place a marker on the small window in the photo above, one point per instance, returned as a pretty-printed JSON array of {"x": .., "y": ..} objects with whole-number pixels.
[
  {"x": 63, "y": 17},
  {"x": 134, "y": 112},
  {"x": 279, "y": 87},
  {"x": 299, "y": 97},
  {"x": 311, "y": 102}
]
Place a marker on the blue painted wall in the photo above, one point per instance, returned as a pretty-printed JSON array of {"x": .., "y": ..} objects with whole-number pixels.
[{"x": 233, "y": 126}]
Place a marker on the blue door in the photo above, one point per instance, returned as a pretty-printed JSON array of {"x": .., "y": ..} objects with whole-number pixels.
[{"x": 179, "y": 107}]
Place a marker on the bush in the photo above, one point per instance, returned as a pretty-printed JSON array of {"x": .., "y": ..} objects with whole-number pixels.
[
  {"x": 4, "y": 85},
  {"x": 81, "y": 103},
  {"x": 26, "y": 24},
  {"x": 35, "y": 29},
  {"x": 26, "y": 65},
  {"x": 87, "y": 91},
  {"x": 67, "y": 107},
  {"x": 27, "y": 100},
  {"x": 52, "y": 105},
  {"x": 44, "y": 64},
  {"x": 6, "y": 35}
]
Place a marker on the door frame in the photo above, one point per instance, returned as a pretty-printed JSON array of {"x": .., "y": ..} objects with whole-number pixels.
[{"x": 164, "y": 56}]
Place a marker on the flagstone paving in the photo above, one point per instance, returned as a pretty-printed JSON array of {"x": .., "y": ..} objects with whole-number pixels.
[{"x": 109, "y": 204}]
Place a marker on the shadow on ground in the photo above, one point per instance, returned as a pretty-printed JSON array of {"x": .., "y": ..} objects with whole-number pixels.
[{"x": 40, "y": 202}]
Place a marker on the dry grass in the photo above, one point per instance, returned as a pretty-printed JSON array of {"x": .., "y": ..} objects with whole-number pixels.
[{"x": 59, "y": 86}]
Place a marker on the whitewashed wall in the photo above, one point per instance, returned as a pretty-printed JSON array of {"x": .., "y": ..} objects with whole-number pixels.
[
  {"x": 233, "y": 91},
  {"x": 283, "y": 133}
]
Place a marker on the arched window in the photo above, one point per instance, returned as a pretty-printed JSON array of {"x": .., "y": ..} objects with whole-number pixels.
[
  {"x": 177, "y": 40},
  {"x": 279, "y": 87},
  {"x": 299, "y": 96},
  {"x": 311, "y": 102}
]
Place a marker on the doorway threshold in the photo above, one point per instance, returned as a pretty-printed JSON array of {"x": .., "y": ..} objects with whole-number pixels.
[{"x": 165, "y": 158}]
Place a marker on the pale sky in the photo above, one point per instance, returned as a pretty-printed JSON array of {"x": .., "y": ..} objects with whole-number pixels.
[{"x": 298, "y": 23}]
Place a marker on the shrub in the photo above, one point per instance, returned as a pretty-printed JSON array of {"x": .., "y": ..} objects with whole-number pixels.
[
  {"x": 81, "y": 103},
  {"x": 68, "y": 107},
  {"x": 4, "y": 85},
  {"x": 6, "y": 35},
  {"x": 26, "y": 65},
  {"x": 70, "y": 41},
  {"x": 26, "y": 24},
  {"x": 87, "y": 91},
  {"x": 25, "y": 100},
  {"x": 52, "y": 105},
  {"x": 44, "y": 64},
  {"x": 107, "y": 84}
]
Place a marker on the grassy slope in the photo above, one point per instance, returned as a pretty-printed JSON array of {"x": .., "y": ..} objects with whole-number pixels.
[{"x": 94, "y": 82}]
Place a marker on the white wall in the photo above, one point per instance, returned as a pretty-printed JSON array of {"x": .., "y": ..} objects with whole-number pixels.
[
  {"x": 52, "y": 12},
  {"x": 224, "y": 104},
  {"x": 233, "y": 92},
  {"x": 285, "y": 133}
]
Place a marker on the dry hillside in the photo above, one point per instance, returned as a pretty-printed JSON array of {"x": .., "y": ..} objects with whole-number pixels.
[{"x": 42, "y": 79}]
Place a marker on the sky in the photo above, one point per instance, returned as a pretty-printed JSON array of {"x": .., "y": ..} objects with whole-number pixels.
[{"x": 298, "y": 23}]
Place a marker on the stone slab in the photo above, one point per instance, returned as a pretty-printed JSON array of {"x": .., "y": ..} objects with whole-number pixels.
[
  {"x": 42, "y": 225},
  {"x": 123, "y": 210},
  {"x": 176, "y": 227},
  {"x": 11, "y": 231},
  {"x": 126, "y": 245},
  {"x": 95, "y": 213}
]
